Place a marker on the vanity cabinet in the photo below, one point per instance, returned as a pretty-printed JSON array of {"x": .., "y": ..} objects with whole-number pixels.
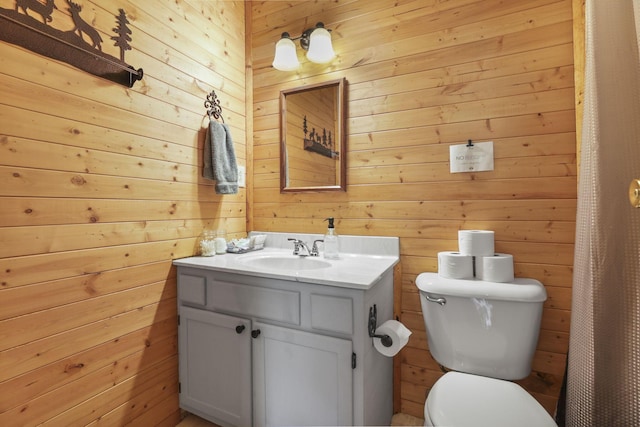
[
  {"x": 215, "y": 365},
  {"x": 270, "y": 352},
  {"x": 301, "y": 378}
]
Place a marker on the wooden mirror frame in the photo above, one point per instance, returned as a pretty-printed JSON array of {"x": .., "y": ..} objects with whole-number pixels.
[{"x": 339, "y": 137}]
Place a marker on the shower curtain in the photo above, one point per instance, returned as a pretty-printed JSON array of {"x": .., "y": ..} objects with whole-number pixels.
[{"x": 603, "y": 379}]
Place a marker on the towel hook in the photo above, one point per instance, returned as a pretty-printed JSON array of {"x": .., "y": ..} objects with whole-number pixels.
[
  {"x": 469, "y": 143},
  {"x": 212, "y": 104}
]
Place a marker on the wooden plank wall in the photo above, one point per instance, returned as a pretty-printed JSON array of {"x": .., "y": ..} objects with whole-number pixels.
[
  {"x": 100, "y": 188},
  {"x": 579, "y": 59},
  {"x": 423, "y": 75}
]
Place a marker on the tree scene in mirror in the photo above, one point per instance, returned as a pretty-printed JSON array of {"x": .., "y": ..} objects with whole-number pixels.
[
  {"x": 311, "y": 148},
  {"x": 319, "y": 141}
]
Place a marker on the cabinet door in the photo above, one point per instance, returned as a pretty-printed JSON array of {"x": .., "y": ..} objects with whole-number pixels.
[
  {"x": 301, "y": 378},
  {"x": 215, "y": 366}
]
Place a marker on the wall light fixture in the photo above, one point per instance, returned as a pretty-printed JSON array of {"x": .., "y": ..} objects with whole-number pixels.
[{"x": 316, "y": 41}]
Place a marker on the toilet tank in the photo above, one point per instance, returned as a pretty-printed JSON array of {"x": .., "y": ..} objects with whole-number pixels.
[{"x": 484, "y": 328}]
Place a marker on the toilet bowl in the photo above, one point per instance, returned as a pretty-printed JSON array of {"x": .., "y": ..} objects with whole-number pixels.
[
  {"x": 459, "y": 399},
  {"x": 486, "y": 334}
]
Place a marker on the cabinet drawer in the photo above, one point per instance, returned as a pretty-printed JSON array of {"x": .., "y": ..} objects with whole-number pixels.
[
  {"x": 192, "y": 289},
  {"x": 331, "y": 313},
  {"x": 254, "y": 301}
]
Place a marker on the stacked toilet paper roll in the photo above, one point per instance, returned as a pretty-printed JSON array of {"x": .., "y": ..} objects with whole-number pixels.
[
  {"x": 476, "y": 259},
  {"x": 454, "y": 265},
  {"x": 495, "y": 268},
  {"x": 476, "y": 243},
  {"x": 398, "y": 333}
]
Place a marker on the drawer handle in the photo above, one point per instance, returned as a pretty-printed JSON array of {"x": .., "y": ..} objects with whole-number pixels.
[
  {"x": 255, "y": 333},
  {"x": 240, "y": 329}
]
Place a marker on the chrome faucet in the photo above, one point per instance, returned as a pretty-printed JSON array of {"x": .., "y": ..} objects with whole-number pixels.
[{"x": 299, "y": 244}]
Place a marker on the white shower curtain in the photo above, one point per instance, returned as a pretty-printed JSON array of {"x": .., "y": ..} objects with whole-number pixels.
[{"x": 603, "y": 382}]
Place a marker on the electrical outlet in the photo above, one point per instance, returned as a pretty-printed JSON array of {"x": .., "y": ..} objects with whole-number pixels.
[{"x": 242, "y": 176}]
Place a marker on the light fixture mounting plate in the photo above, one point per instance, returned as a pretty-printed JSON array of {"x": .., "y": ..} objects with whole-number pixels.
[{"x": 304, "y": 38}]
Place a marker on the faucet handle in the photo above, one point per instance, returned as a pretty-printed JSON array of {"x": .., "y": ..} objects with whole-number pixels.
[
  {"x": 314, "y": 249},
  {"x": 296, "y": 245}
]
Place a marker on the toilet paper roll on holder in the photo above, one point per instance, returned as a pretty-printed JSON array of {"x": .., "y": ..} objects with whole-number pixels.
[{"x": 373, "y": 325}]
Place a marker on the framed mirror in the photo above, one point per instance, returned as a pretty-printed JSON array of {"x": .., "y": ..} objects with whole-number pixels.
[{"x": 312, "y": 138}]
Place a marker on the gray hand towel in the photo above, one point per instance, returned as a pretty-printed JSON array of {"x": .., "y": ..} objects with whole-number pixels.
[{"x": 220, "y": 159}]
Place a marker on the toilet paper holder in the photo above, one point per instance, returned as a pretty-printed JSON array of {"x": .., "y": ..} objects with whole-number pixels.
[{"x": 373, "y": 325}]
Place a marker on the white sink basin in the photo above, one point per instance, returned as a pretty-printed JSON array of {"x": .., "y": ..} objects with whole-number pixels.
[{"x": 284, "y": 262}]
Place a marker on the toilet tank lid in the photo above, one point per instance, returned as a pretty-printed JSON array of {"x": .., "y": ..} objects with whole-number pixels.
[{"x": 525, "y": 290}]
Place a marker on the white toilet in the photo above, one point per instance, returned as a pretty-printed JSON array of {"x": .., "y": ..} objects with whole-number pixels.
[{"x": 486, "y": 334}]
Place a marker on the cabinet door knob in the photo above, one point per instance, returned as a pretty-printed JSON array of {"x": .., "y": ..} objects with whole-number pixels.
[
  {"x": 240, "y": 329},
  {"x": 255, "y": 333}
]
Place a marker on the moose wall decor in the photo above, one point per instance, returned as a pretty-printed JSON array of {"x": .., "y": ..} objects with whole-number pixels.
[{"x": 30, "y": 25}]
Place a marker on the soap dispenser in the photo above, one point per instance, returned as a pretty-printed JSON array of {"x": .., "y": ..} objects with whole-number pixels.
[{"x": 331, "y": 243}]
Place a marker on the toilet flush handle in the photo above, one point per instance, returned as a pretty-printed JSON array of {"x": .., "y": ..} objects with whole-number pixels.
[{"x": 440, "y": 301}]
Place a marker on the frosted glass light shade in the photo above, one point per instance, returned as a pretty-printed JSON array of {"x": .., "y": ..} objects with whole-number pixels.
[
  {"x": 286, "y": 58},
  {"x": 320, "y": 47}
]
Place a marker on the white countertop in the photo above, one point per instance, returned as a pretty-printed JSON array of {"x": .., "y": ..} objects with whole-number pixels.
[
  {"x": 349, "y": 271},
  {"x": 359, "y": 270}
]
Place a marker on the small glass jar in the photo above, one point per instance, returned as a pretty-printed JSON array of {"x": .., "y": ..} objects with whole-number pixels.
[
  {"x": 221, "y": 242},
  {"x": 208, "y": 243}
]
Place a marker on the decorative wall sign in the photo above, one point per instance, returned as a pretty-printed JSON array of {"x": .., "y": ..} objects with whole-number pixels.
[
  {"x": 471, "y": 157},
  {"x": 318, "y": 143},
  {"x": 29, "y": 26}
]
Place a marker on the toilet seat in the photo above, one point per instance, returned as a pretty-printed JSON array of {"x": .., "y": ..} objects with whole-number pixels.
[{"x": 459, "y": 399}]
